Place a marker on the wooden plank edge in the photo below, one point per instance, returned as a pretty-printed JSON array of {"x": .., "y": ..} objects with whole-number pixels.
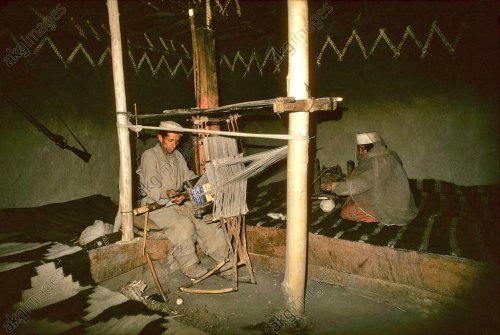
[
  {"x": 115, "y": 259},
  {"x": 366, "y": 286},
  {"x": 440, "y": 274}
]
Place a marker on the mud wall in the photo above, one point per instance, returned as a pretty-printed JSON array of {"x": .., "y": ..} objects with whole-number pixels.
[{"x": 438, "y": 109}]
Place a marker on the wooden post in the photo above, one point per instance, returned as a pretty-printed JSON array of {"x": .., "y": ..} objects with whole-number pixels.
[
  {"x": 125, "y": 176},
  {"x": 204, "y": 67},
  {"x": 205, "y": 79},
  {"x": 296, "y": 234}
]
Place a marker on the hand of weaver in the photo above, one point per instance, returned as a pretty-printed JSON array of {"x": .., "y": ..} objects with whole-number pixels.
[
  {"x": 176, "y": 197},
  {"x": 328, "y": 186}
]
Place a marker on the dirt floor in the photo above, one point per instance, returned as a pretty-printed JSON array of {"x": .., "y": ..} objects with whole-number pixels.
[{"x": 258, "y": 309}]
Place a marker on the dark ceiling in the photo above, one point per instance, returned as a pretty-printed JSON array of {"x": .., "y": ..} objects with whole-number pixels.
[{"x": 243, "y": 23}]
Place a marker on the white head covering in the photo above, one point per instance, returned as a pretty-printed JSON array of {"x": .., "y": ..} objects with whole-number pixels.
[
  {"x": 367, "y": 138},
  {"x": 380, "y": 185},
  {"x": 169, "y": 124}
]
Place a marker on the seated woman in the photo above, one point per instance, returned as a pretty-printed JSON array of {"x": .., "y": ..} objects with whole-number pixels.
[{"x": 378, "y": 189}]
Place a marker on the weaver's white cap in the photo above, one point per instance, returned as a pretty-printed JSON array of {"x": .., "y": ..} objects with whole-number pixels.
[
  {"x": 367, "y": 138},
  {"x": 169, "y": 124}
]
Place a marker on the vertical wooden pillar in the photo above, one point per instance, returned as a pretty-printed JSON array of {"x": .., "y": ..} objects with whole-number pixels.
[
  {"x": 204, "y": 67},
  {"x": 125, "y": 176},
  {"x": 297, "y": 197},
  {"x": 205, "y": 78}
]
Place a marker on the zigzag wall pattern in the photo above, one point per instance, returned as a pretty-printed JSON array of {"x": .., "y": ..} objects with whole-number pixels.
[
  {"x": 222, "y": 8},
  {"x": 272, "y": 59},
  {"x": 396, "y": 49}
]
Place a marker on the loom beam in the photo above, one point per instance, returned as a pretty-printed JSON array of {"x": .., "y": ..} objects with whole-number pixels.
[
  {"x": 241, "y": 106},
  {"x": 280, "y": 105},
  {"x": 306, "y": 105}
]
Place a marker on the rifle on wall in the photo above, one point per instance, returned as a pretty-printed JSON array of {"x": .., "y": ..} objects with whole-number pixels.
[{"x": 59, "y": 140}]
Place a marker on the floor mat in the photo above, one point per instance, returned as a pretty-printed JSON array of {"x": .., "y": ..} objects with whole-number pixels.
[
  {"x": 47, "y": 286},
  {"x": 452, "y": 220}
]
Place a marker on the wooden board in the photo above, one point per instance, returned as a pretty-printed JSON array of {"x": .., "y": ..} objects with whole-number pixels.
[
  {"x": 114, "y": 259},
  {"x": 364, "y": 266}
]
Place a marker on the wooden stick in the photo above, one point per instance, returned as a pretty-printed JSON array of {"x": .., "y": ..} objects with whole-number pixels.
[
  {"x": 246, "y": 257},
  {"x": 145, "y": 236},
  {"x": 196, "y": 64},
  {"x": 251, "y": 105},
  {"x": 225, "y": 227},
  {"x": 307, "y": 105},
  {"x": 155, "y": 277},
  {"x": 135, "y": 111},
  {"x": 125, "y": 175},
  {"x": 206, "y": 275},
  {"x": 219, "y": 132},
  {"x": 202, "y": 291},
  {"x": 236, "y": 233}
]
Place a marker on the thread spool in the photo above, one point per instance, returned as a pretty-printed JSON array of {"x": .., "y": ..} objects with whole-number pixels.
[
  {"x": 198, "y": 196},
  {"x": 327, "y": 205}
]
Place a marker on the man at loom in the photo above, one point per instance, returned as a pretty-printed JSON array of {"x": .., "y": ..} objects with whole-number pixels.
[
  {"x": 162, "y": 173},
  {"x": 377, "y": 189}
]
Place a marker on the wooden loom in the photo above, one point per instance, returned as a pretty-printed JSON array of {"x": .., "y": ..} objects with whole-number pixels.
[
  {"x": 299, "y": 103},
  {"x": 233, "y": 227},
  {"x": 206, "y": 92}
]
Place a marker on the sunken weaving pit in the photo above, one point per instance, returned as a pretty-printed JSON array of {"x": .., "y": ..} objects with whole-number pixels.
[{"x": 37, "y": 247}]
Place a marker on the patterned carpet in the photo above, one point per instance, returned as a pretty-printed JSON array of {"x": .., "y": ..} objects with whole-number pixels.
[
  {"x": 46, "y": 283},
  {"x": 452, "y": 220}
]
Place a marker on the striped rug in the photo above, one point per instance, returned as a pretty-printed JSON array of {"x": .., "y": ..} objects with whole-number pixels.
[{"x": 453, "y": 220}]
